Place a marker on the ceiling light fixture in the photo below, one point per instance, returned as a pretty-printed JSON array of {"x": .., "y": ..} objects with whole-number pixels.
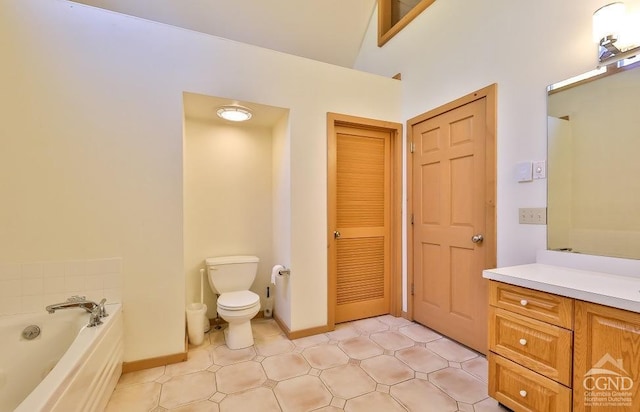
[
  {"x": 613, "y": 32},
  {"x": 234, "y": 113}
]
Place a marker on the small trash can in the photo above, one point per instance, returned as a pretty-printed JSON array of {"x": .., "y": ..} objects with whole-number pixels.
[
  {"x": 196, "y": 315},
  {"x": 205, "y": 320}
]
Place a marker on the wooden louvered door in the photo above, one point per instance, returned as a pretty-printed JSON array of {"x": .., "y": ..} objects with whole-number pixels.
[{"x": 362, "y": 223}]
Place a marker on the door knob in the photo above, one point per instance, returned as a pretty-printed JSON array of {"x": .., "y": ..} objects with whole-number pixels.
[
  {"x": 477, "y": 238},
  {"x": 336, "y": 234}
]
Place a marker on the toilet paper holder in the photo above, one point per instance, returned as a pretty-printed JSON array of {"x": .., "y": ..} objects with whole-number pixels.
[{"x": 279, "y": 271}]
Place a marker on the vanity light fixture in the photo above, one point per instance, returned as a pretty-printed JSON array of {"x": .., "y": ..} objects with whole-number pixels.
[
  {"x": 234, "y": 113},
  {"x": 612, "y": 29}
]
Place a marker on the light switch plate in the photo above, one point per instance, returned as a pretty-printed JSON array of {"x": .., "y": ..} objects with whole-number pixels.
[
  {"x": 533, "y": 215},
  {"x": 524, "y": 172}
]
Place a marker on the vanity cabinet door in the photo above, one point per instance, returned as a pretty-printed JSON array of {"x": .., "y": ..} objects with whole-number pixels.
[{"x": 606, "y": 361}]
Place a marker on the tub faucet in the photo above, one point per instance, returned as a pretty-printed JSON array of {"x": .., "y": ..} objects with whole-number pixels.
[{"x": 96, "y": 310}]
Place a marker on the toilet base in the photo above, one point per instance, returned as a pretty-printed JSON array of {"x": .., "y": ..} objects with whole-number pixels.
[{"x": 238, "y": 335}]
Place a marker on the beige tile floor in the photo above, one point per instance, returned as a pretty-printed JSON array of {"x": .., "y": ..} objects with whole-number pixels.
[{"x": 379, "y": 364}]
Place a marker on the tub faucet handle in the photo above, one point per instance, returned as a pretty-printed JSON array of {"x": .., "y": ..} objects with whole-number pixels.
[
  {"x": 103, "y": 310},
  {"x": 94, "y": 317}
]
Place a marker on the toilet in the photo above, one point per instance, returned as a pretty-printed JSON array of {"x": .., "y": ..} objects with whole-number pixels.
[{"x": 231, "y": 277}]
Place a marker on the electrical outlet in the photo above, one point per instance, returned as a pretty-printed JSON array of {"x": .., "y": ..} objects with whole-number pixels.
[{"x": 533, "y": 215}]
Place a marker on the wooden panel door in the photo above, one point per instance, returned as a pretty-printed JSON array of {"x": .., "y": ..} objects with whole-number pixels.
[
  {"x": 362, "y": 223},
  {"x": 606, "y": 359},
  {"x": 452, "y": 199}
]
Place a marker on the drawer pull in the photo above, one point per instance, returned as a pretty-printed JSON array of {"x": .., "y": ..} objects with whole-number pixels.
[
  {"x": 524, "y": 302},
  {"x": 523, "y": 342},
  {"x": 523, "y": 394}
]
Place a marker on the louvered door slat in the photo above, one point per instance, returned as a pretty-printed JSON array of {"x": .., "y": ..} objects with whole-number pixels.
[
  {"x": 361, "y": 273},
  {"x": 362, "y": 210}
]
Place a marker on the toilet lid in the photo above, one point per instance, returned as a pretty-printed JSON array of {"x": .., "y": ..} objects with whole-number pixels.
[{"x": 239, "y": 300}]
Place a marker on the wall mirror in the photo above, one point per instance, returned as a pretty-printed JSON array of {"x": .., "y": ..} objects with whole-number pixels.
[{"x": 594, "y": 163}]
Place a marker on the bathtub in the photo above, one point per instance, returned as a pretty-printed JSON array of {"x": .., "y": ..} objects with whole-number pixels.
[{"x": 68, "y": 367}]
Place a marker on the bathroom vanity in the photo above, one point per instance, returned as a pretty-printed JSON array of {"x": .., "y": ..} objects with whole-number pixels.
[
  {"x": 564, "y": 333},
  {"x": 563, "y": 339}
]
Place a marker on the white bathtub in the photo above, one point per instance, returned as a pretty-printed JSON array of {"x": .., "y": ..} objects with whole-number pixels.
[{"x": 68, "y": 367}]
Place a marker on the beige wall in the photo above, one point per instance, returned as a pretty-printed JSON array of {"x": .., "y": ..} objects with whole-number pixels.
[
  {"x": 281, "y": 185},
  {"x": 91, "y": 164},
  {"x": 227, "y": 200},
  {"x": 458, "y": 46}
]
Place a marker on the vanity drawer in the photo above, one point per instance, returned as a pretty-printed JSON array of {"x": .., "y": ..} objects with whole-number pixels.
[
  {"x": 543, "y": 306},
  {"x": 537, "y": 345},
  {"x": 524, "y": 390}
]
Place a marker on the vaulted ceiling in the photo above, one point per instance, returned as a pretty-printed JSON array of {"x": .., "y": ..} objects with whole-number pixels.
[{"x": 326, "y": 30}]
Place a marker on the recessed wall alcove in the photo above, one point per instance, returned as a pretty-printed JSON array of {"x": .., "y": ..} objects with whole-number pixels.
[{"x": 236, "y": 192}]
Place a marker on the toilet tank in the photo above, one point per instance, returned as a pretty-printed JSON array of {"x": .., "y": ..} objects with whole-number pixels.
[{"x": 231, "y": 273}]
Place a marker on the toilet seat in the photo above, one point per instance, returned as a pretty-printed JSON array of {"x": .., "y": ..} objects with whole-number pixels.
[{"x": 239, "y": 300}]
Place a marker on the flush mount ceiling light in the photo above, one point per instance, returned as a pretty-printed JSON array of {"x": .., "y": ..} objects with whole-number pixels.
[
  {"x": 613, "y": 31},
  {"x": 234, "y": 113}
]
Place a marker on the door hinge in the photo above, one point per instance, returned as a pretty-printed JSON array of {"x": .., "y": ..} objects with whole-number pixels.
[
  {"x": 412, "y": 147},
  {"x": 413, "y": 289},
  {"x": 411, "y": 218}
]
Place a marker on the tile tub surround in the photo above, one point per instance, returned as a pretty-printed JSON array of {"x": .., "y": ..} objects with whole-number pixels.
[
  {"x": 29, "y": 287},
  {"x": 378, "y": 364}
]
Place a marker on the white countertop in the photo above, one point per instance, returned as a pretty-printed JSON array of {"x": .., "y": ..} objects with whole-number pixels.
[{"x": 618, "y": 291}]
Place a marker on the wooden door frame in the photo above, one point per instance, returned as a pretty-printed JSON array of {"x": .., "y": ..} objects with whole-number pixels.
[
  {"x": 489, "y": 244},
  {"x": 395, "y": 241}
]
